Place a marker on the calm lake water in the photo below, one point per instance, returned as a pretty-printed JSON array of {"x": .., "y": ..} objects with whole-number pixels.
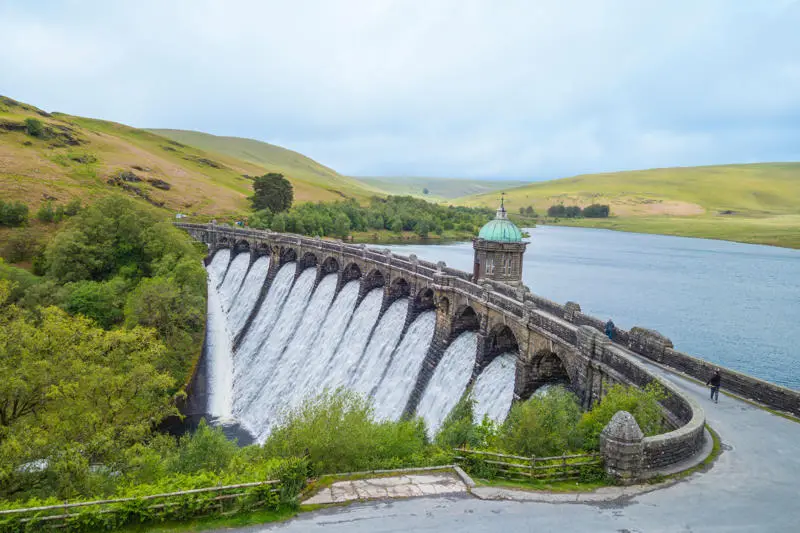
[{"x": 730, "y": 303}]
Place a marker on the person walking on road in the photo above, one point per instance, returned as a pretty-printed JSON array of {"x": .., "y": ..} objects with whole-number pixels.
[
  {"x": 610, "y": 329},
  {"x": 715, "y": 381}
]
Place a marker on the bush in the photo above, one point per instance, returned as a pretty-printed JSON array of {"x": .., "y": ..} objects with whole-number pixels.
[
  {"x": 34, "y": 127},
  {"x": 459, "y": 429},
  {"x": 337, "y": 433},
  {"x": 643, "y": 404},
  {"x": 207, "y": 449},
  {"x": 13, "y": 214},
  {"x": 46, "y": 213},
  {"x": 543, "y": 426}
]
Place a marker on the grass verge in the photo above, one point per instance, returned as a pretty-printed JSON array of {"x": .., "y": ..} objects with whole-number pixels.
[{"x": 217, "y": 522}]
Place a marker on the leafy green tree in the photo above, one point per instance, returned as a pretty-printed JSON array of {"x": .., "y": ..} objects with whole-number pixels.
[
  {"x": 272, "y": 191},
  {"x": 396, "y": 225},
  {"x": 422, "y": 228},
  {"x": 278, "y": 222},
  {"x": 73, "y": 207},
  {"x": 260, "y": 219},
  {"x": 102, "y": 301},
  {"x": 573, "y": 211},
  {"x": 596, "y": 211},
  {"x": 543, "y": 425},
  {"x": 425, "y": 191},
  {"x": 460, "y": 430},
  {"x": 557, "y": 211},
  {"x": 341, "y": 225},
  {"x": 21, "y": 245},
  {"x": 529, "y": 211}
]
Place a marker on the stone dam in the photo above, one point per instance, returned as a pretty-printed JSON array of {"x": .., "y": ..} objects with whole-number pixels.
[{"x": 290, "y": 316}]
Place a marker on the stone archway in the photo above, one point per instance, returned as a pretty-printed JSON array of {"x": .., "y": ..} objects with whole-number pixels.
[
  {"x": 288, "y": 255},
  {"x": 465, "y": 319},
  {"x": 399, "y": 288},
  {"x": 309, "y": 260},
  {"x": 501, "y": 339},
  {"x": 351, "y": 272},
  {"x": 330, "y": 266},
  {"x": 545, "y": 368}
]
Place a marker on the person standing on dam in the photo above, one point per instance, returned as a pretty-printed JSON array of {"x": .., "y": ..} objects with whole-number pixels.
[
  {"x": 715, "y": 381},
  {"x": 610, "y": 329}
]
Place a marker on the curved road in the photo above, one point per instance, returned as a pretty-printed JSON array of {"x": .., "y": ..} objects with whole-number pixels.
[{"x": 754, "y": 486}]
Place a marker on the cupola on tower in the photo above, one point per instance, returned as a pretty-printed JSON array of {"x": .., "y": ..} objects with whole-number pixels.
[{"x": 498, "y": 251}]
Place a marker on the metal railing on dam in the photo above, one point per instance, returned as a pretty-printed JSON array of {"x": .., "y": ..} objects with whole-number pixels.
[{"x": 550, "y": 339}]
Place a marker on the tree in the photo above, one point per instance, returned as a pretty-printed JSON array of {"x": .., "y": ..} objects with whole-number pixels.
[
  {"x": 425, "y": 191},
  {"x": 422, "y": 228},
  {"x": 529, "y": 211},
  {"x": 572, "y": 211},
  {"x": 341, "y": 225},
  {"x": 396, "y": 225},
  {"x": 272, "y": 191},
  {"x": 643, "y": 404},
  {"x": 521, "y": 210},
  {"x": 278, "y": 223},
  {"x": 260, "y": 219},
  {"x": 596, "y": 211},
  {"x": 557, "y": 210}
]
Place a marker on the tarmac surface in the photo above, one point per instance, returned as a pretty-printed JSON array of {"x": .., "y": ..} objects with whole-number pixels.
[{"x": 754, "y": 486}]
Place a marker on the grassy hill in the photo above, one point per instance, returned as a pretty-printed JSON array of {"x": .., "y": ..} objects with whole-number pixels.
[
  {"x": 76, "y": 157},
  {"x": 326, "y": 183},
  {"x": 758, "y": 203},
  {"x": 438, "y": 188}
]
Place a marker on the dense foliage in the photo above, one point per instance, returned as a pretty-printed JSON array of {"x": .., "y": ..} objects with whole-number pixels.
[
  {"x": 643, "y": 404},
  {"x": 272, "y": 192},
  {"x": 93, "y": 349},
  {"x": 393, "y": 213},
  {"x": 574, "y": 211}
]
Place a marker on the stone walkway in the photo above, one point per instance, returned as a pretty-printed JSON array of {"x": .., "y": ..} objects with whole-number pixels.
[{"x": 405, "y": 486}]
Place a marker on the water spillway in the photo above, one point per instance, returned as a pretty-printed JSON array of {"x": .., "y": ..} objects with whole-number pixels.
[
  {"x": 494, "y": 388},
  {"x": 272, "y": 345},
  {"x": 449, "y": 381}
]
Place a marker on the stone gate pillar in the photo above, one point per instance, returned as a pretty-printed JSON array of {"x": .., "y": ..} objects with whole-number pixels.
[{"x": 622, "y": 447}]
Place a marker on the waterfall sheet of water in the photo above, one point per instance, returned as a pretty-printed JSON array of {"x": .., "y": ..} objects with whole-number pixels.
[
  {"x": 233, "y": 279},
  {"x": 311, "y": 381},
  {"x": 394, "y": 390},
  {"x": 341, "y": 368},
  {"x": 282, "y": 385},
  {"x": 493, "y": 391},
  {"x": 218, "y": 348},
  {"x": 254, "y": 406},
  {"x": 218, "y": 265},
  {"x": 449, "y": 381},
  {"x": 246, "y": 360},
  {"x": 377, "y": 355},
  {"x": 247, "y": 295}
]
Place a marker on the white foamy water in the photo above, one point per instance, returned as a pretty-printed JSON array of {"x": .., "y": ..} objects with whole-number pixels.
[
  {"x": 342, "y": 366},
  {"x": 255, "y": 402},
  {"x": 246, "y": 361},
  {"x": 311, "y": 381},
  {"x": 449, "y": 381},
  {"x": 494, "y": 388},
  {"x": 397, "y": 384},
  {"x": 247, "y": 295},
  {"x": 233, "y": 279},
  {"x": 299, "y": 356},
  {"x": 218, "y": 349},
  {"x": 379, "y": 351},
  {"x": 218, "y": 265}
]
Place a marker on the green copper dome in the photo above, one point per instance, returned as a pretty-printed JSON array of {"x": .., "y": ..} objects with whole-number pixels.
[{"x": 500, "y": 229}]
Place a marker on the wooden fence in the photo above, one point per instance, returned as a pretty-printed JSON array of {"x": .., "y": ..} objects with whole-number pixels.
[
  {"x": 211, "y": 500},
  {"x": 515, "y": 467}
]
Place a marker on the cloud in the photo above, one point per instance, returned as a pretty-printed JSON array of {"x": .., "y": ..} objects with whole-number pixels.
[{"x": 451, "y": 87}]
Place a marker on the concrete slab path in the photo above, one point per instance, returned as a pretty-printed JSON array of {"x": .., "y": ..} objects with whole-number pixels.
[{"x": 406, "y": 486}]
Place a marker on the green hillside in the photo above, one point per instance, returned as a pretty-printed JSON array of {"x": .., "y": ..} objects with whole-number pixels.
[
  {"x": 438, "y": 188},
  {"x": 294, "y": 165},
  {"x": 758, "y": 203},
  {"x": 76, "y": 157}
]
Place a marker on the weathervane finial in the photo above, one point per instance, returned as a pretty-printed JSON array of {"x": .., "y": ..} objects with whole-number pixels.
[{"x": 502, "y": 199}]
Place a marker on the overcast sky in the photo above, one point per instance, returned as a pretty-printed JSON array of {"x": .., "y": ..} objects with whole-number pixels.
[{"x": 530, "y": 89}]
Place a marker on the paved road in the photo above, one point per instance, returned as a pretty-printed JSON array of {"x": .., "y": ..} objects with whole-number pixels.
[{"x": 754, "y": 486}]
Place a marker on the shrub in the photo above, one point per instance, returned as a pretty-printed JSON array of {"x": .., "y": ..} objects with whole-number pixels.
[
  {"x": 22, "y": 244},
  {"x": 13, "y": 214},
  {"x": 643, "y": 404},
  {"x": 207, "y": 449},
  {"x": 337, "y": 433},
  {"x": 459, "y": 429},
  {"x": 34, "y": 127},
  {"x": 46, "y": 213},
  {"x": 543, "y": 426}
]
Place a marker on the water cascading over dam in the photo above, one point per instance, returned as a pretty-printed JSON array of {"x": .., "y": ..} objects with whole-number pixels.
[{"x": 270, "y": 348}]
